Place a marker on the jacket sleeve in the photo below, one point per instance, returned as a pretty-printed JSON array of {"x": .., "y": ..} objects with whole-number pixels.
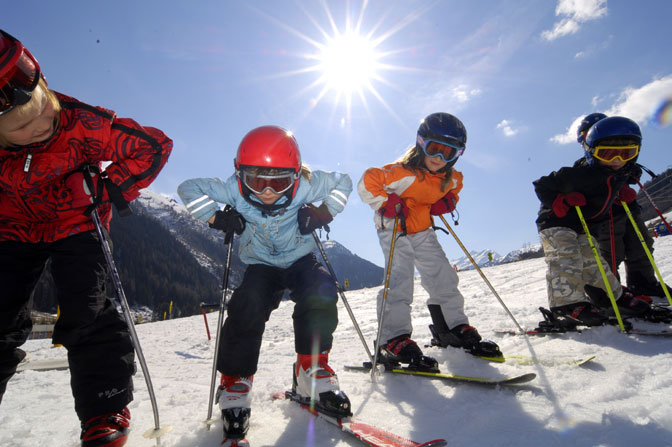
[
  {"x": 456, "y": 183},
  {"x": 333, "y": 188},
  {"x": 377, "y": 183},
  {"x": 202, "y": 196},
  {"x": 137, "y": 153},
  {"x": 549, "y": 186}
]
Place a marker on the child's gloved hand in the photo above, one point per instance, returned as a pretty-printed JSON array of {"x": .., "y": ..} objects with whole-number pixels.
[
  {"x": 82, "y": 196},
  {"x": 626, "y": 194},
  {"x": 394, "y": 207},
  {"x": 445, "y": 204},
  {"x": 311, "y": 218},
  {"x": 229, "y": 221},
  {"x": 562, "y": 202}
]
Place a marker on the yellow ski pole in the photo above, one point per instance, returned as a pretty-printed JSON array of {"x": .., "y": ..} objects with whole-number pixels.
[
  {"x": 494, "y": 292},
  {"x": 601, "y": 267},
  {"x": 382, "y": 305},
  {"x": 647, "y": 251}
]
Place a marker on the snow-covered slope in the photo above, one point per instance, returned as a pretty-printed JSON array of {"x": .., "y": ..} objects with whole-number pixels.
[{"x": 622, "y": 398}]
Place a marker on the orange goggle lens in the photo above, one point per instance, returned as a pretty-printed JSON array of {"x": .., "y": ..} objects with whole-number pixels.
[{"x": 611, "y": 153}]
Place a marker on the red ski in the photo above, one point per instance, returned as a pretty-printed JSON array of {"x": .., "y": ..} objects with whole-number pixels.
[{"x": 367, "y": 434}]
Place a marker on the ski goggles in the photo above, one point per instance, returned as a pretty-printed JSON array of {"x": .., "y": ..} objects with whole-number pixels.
[
  {"x": 278, "y": 183},
  {"x": 611, "y": 153},
  {"x": 435, "y": 148},
  {"x": 19, "y": 81}
]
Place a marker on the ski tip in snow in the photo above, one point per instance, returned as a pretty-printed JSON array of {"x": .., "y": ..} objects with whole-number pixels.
[{"x": 548, "y": 360}]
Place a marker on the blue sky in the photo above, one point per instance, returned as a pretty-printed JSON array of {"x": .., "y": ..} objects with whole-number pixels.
[{"x": 519, "y": 74}]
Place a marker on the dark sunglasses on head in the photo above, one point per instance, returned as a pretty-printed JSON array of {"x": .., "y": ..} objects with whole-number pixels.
[{"x": 20, "y": 78}]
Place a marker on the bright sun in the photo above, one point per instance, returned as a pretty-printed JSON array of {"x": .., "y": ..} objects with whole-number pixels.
[{"x": 348, "y": 63}]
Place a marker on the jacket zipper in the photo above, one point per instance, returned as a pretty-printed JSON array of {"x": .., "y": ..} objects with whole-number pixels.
[{"x": 26, "y": 164}]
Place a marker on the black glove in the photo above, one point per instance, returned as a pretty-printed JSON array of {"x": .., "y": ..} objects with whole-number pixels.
[
  {"x": 311, "y": 218},
  {"x": 634, "y": 174},
  {"x": 229, "y": 221}
]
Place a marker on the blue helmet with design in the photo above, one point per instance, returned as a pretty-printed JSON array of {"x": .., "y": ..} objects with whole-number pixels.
[
  {"x": 585, "y": 125},
  {"x": 443, "y": 128},
  {"x": 613, "y": 137}
]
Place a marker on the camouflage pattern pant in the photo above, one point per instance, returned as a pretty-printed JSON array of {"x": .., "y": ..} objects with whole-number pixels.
[{"x": 571, "y": 266}]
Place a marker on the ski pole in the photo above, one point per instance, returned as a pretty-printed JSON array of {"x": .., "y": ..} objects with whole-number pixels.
[
  {"x": 647, "y": 251},
  {"x": 464, "y": 249},
  {"x": 157, "y": 431},
  {"x": 381, "y": 317},
  {"x": 653, "y": 204},
  {"x": 601, "y": 268},
  {"x": 340, "y": 292},
  {"x": 222, "y": 306}
]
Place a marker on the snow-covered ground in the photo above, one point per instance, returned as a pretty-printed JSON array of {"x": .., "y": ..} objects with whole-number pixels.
[{"x": 622, "y": 398}]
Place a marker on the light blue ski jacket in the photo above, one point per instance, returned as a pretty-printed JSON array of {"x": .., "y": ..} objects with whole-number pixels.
[{"x": 269, "y": 240}]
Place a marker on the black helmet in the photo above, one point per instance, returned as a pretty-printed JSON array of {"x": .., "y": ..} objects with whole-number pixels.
[
  {"x": 443, "y": 128},
  {"x": 586, "y": 123}
]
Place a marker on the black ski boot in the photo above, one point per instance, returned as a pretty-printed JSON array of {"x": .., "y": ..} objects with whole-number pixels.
[
  {"x": 583, "y": 313},
  {"x": 461, "y": 336},
  {"x": 236, "y": 422},
  {"x": 639, "y": 284},
  {"x": 402, "y": 349},
  {"x": 467, "y": 338},
  {"x": 559, "y": 321}
]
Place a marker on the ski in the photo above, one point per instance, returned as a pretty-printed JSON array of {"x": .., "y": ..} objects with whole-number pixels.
[
  {"x": 510, "y": 380},
  {"x": 548, "y": 360},
  {"x": 367, "y": 434},
  {"x": 543, "y": 332},
  {"x": 43, "y": 365},
  {"x": 526, "y": 360},
  {"x": 554, "y": 324}
]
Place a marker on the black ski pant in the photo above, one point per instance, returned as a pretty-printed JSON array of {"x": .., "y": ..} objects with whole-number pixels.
[
  {"x": 315, "y": 314},
  {"x": 627, "y": 246},
  {"x": 100, "y": 350}
]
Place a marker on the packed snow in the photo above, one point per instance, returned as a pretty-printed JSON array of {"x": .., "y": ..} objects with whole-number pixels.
[{"x": 621, "y": 398}]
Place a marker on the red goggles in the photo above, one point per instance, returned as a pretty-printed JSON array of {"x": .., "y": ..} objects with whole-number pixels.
[
  {"x": 19, "y": 74},
  {"x": 278, "y": 183},
  {"x": 611, "y": 153}
]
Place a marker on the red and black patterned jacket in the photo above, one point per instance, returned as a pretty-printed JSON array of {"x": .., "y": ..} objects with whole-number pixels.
[{"x": 36, "y": 204}]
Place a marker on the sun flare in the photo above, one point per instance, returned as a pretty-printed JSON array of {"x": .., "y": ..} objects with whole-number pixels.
[{"x": 348, "y": 63}]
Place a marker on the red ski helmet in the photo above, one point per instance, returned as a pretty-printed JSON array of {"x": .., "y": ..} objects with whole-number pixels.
[
  {"x": 19, "y": 73},
  {"x": 268, "y": 147}
]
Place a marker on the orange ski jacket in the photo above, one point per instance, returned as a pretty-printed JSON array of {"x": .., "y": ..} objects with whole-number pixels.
[{"x": 418, "y": 193}]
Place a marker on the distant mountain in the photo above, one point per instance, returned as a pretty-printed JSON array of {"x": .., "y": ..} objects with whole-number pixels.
[
  {"x": 486, "y": 258},
  {"x": 358, "y": 272}
]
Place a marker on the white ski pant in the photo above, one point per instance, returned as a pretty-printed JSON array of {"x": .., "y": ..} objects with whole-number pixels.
[{"x": 421, "y": 251}]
